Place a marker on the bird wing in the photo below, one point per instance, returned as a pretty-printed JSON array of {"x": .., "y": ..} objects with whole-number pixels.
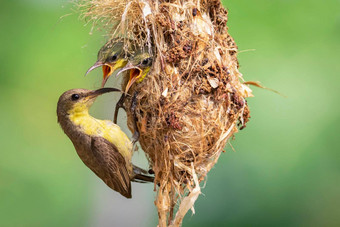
[{"x": 113, "y": 166}]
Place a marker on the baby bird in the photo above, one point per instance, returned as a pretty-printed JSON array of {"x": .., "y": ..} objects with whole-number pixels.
[
  {"x": 139, "y": 66},
  {"x": 111, "y": 57}
]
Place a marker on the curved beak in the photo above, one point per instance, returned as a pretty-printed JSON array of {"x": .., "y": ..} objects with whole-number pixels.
[
  {"x": 96, "y": 65},
  {"x": 101, "y": 91},
  {"x": 135, "y": 73},
  {"x": 108, "y": 69}
]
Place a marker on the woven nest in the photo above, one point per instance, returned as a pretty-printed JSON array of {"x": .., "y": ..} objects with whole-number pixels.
[{"x": 193, "y": 99}]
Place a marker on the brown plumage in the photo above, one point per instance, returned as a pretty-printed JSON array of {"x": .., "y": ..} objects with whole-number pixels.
[{"x": 100, "y": 144}]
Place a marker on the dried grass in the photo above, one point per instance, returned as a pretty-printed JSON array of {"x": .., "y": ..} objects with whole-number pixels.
[{"x": 191, "y": 102}]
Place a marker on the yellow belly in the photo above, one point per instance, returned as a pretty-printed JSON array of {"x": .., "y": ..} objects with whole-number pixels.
[{"x": 106, "y": 129}]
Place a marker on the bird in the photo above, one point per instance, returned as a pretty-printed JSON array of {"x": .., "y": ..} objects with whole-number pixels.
[
  {"x": 138, "y": 65},
  {"x": 111, "y": 57},
  {"x": 101, "y": 145}
]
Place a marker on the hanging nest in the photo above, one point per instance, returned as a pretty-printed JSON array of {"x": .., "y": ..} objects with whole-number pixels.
[{"x": 193, "y": 99}]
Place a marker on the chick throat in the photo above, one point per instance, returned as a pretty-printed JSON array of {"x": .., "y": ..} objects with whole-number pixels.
[
  {"x": 108, "y": 69},
  {"x": 144, "y": 73}
]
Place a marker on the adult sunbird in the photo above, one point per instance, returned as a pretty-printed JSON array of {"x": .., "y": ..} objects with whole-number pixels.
[
  {"x": 100, "y": 144},
  {"x": 110, "y": 57}
]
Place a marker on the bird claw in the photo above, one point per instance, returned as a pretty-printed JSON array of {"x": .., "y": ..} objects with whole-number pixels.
[
  {"x": 141, "y": 175},
  {"x": 120, "y": 104},
  {"x": 135, "y": 137},
  {"x": 136, "y": 134}
]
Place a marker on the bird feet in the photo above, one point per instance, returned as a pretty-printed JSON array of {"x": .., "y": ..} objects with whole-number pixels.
[
  {"x": 135, "y": 136},
  {"x": 120, "y": 104}
]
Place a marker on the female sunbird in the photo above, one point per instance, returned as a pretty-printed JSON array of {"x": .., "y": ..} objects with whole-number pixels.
[
  {"x": 111, "y": 57},
  {"x": 100, "y": 144}
]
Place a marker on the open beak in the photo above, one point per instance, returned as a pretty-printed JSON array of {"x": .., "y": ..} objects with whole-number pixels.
[
  {"x": 100, "y": 91},
  {"x": 96, "y": 65},
  {"x": 135, "y": 73},
  {"x": 107, "y": 71}
]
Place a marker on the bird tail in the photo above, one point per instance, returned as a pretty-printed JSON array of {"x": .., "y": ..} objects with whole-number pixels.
[{"x": 141, "y": 175}]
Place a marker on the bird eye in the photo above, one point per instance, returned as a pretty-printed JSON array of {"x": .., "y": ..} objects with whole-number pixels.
[
  {"x": 75, "y": 97},
  {"x": 146, "y": 61},
  {"x": 114, "y": 57}
]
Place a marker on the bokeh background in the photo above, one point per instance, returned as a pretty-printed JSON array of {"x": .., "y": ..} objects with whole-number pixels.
[{"x": 285, "y": 170}]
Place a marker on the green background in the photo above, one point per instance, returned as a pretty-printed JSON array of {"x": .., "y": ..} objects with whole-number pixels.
[{"x": 286, "y": 168}]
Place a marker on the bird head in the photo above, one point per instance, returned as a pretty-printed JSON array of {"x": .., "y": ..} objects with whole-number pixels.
[
  {"x": 79, "y": 100},
  {"x": 139, "y": 66},
  {"x": 110, "y": 57}
]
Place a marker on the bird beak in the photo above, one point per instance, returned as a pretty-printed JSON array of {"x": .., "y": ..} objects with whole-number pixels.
[
  {"x": 109, "y": 69},
  {"x": 135, "y": 73},
  {"x": 96, "y": 65},
  {"x": 100, "y": 91}
]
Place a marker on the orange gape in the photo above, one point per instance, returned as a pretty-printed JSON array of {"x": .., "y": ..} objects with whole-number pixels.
[{"x": 106, "y": 73}]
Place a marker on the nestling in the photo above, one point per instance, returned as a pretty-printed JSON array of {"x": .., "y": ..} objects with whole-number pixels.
[
  {"x": 139, "y": 66},
  {"x": 111, "y": 57}
]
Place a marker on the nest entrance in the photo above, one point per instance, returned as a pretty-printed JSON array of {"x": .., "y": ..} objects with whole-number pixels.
[{"x": 192, "y": 100}]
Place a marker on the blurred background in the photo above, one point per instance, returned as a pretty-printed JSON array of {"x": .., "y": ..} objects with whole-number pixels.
[{"x": 285, "y": 170}]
